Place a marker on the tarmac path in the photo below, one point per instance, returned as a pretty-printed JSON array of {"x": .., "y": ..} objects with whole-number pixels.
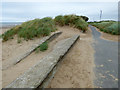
[{"x": 106, "y": 61}]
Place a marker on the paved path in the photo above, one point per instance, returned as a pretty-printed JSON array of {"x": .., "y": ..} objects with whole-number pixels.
[{"x": 106, "y": 61}]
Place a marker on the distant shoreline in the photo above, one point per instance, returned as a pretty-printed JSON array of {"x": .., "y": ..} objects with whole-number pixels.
[{"x": 5, "y": 25}]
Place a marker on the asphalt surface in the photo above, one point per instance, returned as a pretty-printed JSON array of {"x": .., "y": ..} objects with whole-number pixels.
[{"x": 106, "y": 61}]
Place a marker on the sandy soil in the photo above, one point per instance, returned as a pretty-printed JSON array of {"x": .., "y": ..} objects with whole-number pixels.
[
  {"x": 75, "y": 71},
  {"x": 15, "y": 71},
  {"x": 107, "y": 36},
  {"x": 4, "y": 29},
  {"x": 11, "y": 50}
]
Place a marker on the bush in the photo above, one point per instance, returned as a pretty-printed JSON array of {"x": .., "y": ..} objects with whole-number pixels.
[
  {"x": 81, "y": 24},
  {"x": 85, "y": 18},
  {"x": 43, "y": 27},
  {"x": 42, "y": 47},
  {"x": 107, "y": 27},
  {"x": 59, "y": 20},
  {"x": 113, "y": 32},
  {"x": 31, "y": 29},
  {"x": 72, "y": 20},
  {"x": 8, "y": 35},
  {"x": 101, "y": 29}
]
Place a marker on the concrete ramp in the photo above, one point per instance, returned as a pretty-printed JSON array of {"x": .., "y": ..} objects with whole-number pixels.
[{"x": 36, "y": 75}]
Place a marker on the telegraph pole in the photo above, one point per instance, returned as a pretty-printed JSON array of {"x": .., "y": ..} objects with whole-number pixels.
[{"x": 100, "y": 14}]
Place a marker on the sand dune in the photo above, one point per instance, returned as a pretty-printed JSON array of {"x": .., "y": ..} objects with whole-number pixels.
[{"x": 76, "y": 70}]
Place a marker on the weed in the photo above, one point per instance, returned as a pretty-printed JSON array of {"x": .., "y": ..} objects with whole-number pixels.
[
  {"x": 107, "y": 26},
  {"x": 44, "y": 46}
]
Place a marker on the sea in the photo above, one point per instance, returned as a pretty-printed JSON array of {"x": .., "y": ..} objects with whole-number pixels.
[{"x": 9, "y": 24}]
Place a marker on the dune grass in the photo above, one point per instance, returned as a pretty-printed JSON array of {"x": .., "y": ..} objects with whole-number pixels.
[
  {"x": 43, "y": 27},
  {"x": 110, "y": 27},
  {"x": 72, "y": 20},
  {"x": 42, "y": 47},
  {"x": 31, "y": 29}
]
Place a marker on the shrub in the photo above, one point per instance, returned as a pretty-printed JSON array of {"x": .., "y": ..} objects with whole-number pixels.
[
  {"x": 81, "y": 24},
  {"x": 43, "y": 27},
  {"x": 42, "y": 47},
  {"x": 101, "y": 29},
  {"x": 1, "y": 36},
  {"x": 8, "y": 34},
  {"x": 59, "y": 20},
  {"x": 107, "y": 27},
  {"x": 85, "y": 18},
  {"x": 72, "y": 20},
  {"x": 31, "y": 29}
]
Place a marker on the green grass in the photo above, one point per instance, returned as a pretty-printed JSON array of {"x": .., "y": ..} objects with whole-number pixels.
[
  {"x": 42, "y": 47},
  {"x": 110, "y": 27},
  {"x": 72, "y": 20},
  {"x": 43, "y": 27},
  {"x": 31, "y": 29}
]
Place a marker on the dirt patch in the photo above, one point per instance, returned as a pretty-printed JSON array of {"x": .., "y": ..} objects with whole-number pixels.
[
  {"x": 76, "y": 69},
  {"x": 107, "y": 36}
]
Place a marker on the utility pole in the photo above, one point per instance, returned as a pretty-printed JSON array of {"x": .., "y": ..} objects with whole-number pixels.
[
  {"x": 100, "y": 14},
  {"x": 93, "y": 19}
]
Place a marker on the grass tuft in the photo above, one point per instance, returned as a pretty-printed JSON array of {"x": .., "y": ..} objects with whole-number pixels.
[
  {"x": 42, "y": 47},
  {"x": 72, "y": 20},
  {"x": 43, "y": 27},
  {"x": 31, "y": 29},
  {"x": 107, "y": 27}
]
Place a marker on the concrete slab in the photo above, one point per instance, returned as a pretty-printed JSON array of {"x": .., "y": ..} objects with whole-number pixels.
[
  {"x": 35, "y": 75},
  {"x": 28, "y": 52}
]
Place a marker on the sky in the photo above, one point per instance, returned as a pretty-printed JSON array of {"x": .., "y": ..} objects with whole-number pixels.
[{"x": 19, "y": 11}]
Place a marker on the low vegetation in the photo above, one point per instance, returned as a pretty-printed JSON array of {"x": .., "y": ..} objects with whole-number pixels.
[
  {"x": 72, "y": 20},
  {"x": 31, "y": 29},
  {"x": 107, "y": 27},
  {"x": 43, "y": 27},
  {"x": 42, "y": 47}
]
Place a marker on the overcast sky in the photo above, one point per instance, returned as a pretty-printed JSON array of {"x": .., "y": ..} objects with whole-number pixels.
[{"x": 23, "y": 11}]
